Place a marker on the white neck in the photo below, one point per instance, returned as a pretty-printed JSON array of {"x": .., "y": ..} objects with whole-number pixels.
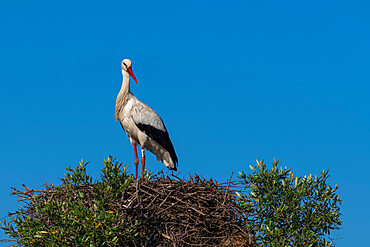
[
  {"x": 122, "y": 95},
  {"x": 125, "y": 82}
]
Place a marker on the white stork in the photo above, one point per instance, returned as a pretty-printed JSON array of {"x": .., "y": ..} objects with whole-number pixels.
[{"x": 142, "y": 125}]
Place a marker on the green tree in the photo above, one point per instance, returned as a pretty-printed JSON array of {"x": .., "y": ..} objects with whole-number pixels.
[
  {"x": 78, "y": 213},
  {"x": 285, "y": 210}
]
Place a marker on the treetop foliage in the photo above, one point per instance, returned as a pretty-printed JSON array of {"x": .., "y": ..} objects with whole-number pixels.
[
  {"x": 275, "y": 208},
  {"x": 285, "y": 210}
]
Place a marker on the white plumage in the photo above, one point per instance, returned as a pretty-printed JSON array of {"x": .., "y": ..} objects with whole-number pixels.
[{"x": 143, "y": 125}]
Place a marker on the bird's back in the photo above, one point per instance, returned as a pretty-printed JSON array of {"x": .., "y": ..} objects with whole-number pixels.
[{"x": 149, "y": 122}]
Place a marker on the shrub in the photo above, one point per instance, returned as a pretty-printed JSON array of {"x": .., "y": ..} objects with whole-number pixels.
[
  {"x": 76, "y": 213},
  {"x": 285, "y": 210}
]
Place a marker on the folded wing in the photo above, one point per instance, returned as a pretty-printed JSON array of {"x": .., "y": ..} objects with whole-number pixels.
[{"x": 152, "y": 125}]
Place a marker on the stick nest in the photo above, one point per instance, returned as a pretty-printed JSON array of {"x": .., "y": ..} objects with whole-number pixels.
[{"x": 171, "y": 211}]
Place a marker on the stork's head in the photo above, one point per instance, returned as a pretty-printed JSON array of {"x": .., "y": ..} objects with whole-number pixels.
[{"x": 126, "y": 66}]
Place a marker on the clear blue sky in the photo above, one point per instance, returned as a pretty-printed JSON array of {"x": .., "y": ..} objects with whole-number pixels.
[{"x": 234, "y": 81}]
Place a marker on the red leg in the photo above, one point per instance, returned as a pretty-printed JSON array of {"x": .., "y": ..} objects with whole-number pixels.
[
  {"x": 143, "y": 161},
  {"x": 136, "y": 161}
]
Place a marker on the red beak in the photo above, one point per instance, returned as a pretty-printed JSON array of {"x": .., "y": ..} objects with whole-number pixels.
[{"x": 129, "y": 70}]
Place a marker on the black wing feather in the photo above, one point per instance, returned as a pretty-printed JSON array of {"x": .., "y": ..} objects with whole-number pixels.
[{"x": 161, "y": 137}]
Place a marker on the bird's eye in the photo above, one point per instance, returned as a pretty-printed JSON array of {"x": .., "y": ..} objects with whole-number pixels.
[{"x": 124, "y": 64}]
